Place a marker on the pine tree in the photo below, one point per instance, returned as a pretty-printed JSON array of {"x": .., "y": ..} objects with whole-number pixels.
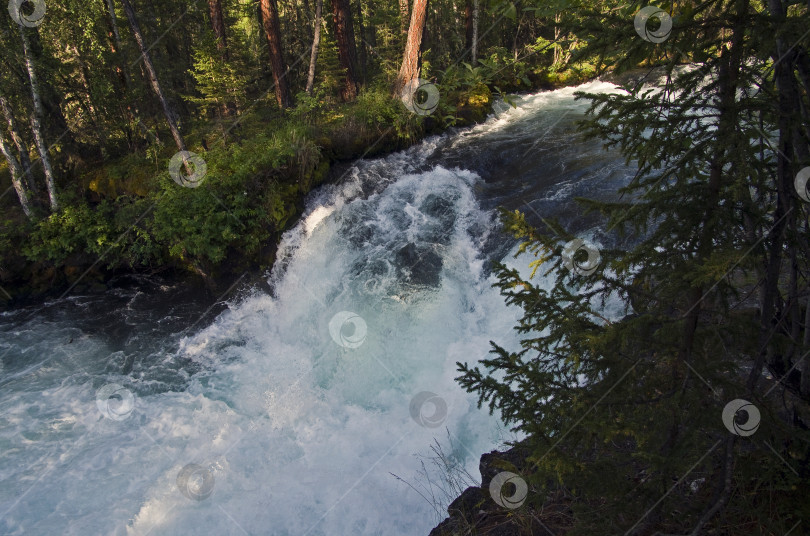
[
  {"x": 627, "y": 413},
  {"x": 347, "y": 51},
  {"x": 413, "y": 47},
  {"x": 270, "y": 21}
]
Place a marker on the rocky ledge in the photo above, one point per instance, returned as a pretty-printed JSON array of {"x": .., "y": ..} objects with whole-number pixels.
[{"x": 476, "y": 512}]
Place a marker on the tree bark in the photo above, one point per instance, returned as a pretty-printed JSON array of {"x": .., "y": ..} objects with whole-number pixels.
[
  {"x": 153, "y": 78},
  {"x": 16, "y": 175},
  {"x": 413, "y": 47},
  {"x": 347, "y": 52},
  {"x": 19, "y": 143},
  {"x": 272, "y": 28},
  {"x": 316, "y": 41},
  {"x": 36, "y": 122},
  {"x": 474, "y": 47},
  {"x": 468, "y": 25},
  {"x": 362, "y": 51},
  {"x": 218, "y": 25},
  {"x": 557, "y": 33}
]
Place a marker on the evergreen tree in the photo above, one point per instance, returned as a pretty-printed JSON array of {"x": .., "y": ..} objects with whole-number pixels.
[{"x": 625, "y": 416}]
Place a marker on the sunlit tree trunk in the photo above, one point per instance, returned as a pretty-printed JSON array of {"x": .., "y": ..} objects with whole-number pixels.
[
  {"x": 36, "y": 122},
  {"x": 347, "y": 52},
  {"x": 557, "y": 33},
  {"x": 316, "y": 41},
  {"x": 410, "y": 61},
  {"x": 272, "y": 28},
  {"x": 16, "y": 175}
]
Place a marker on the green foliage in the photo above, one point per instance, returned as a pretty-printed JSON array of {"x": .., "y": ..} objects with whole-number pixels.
[
  {"x": 624, "y": 412},
  {"x": 219, "y": 83},
  {"x": 76, "y": 230}
]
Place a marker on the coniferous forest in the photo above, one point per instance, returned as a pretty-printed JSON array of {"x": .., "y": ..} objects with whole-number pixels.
[{"x": 657, "y": 379}]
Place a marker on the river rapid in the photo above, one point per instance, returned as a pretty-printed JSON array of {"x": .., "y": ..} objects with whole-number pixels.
[{"x": 288, "y": 409}]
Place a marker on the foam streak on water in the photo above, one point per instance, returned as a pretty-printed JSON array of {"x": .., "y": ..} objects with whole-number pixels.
[{"x": 299, "y": 418}]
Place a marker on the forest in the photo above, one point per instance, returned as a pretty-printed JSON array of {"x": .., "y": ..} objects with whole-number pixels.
[
  {"x": 98, "y": 97},
  {"x": 183, "y": 138}
]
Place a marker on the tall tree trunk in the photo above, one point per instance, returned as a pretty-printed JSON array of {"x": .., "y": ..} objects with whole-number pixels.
[
  {"x": 36, "y": 122},
  {"x": 19, "y": 143},
  {"x": 474, "y": 47},
  {"x": 403, "y": 17},
  {"x": 153, "y": 78},
  {"x": 468, "y": 25},
  {"x": 272, "y": 28},
  {"x": 16, "y": 175},
  {"x": 557, "y": 32},
  {"x": 316, "y": 41},
  {"x": 410, "y": 61},
  {"x": 218, "y": 25},
  {"x": 784, "y": 78},
  {"x": 347, "y": 52},
  {"x": 362, "y": 34}
]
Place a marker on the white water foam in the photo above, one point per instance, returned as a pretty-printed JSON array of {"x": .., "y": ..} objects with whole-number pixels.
[{"x": 301, "y": 434}]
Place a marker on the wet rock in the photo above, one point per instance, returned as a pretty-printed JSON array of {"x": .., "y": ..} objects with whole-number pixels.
[
  {"x": 440, "y": 208},
  {"x": 419, "y": 265}
]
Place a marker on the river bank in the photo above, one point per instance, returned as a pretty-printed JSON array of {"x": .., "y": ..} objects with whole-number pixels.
[{"x": 106, "y": 230}]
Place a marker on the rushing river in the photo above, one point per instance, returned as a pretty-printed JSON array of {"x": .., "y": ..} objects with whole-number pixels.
[{"x": 292, "y": 407}]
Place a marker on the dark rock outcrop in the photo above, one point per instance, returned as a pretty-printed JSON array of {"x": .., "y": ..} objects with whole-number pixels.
[{"x": 474, "y": 511}]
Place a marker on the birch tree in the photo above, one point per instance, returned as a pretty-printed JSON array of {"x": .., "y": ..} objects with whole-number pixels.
[{"x": 36, "y": 120}]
